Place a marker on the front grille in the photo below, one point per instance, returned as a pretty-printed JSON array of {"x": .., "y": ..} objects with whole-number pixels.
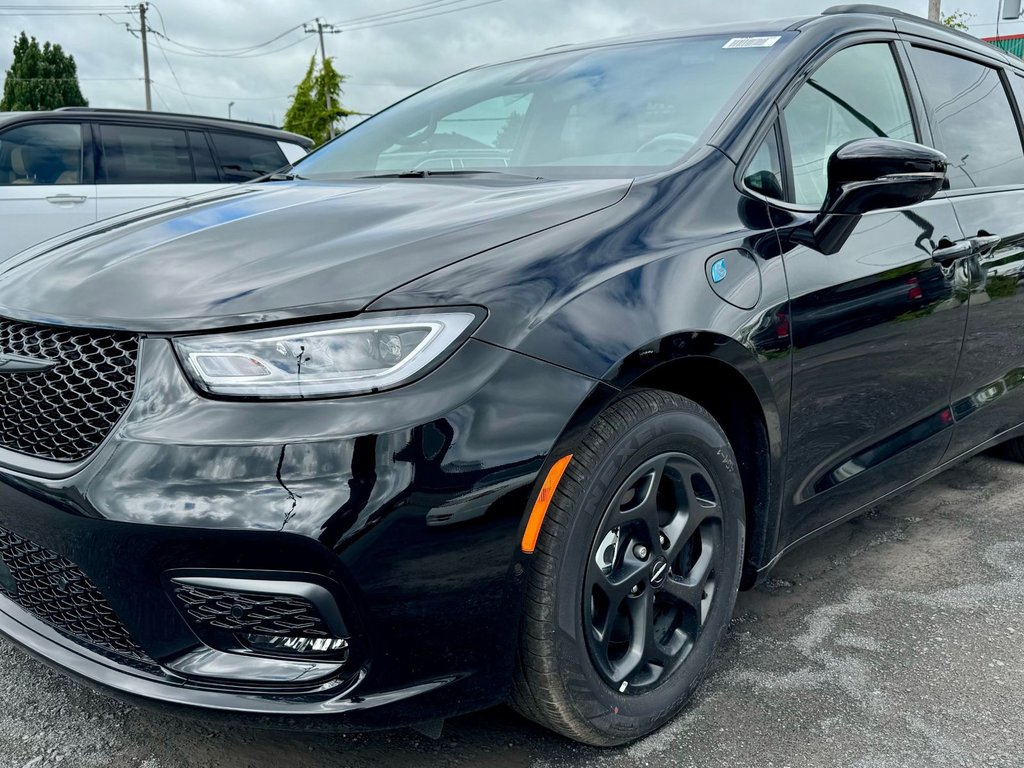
[
  {"x": 64, "y": 412},
  {"x": 55, "y": 590},
  {"x": 261, "y": 614}
]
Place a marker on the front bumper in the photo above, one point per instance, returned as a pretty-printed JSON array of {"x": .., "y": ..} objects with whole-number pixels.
[{"x": 408, "y": 504}]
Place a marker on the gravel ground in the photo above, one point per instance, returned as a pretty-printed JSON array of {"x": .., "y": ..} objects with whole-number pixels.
[{"x": 894, "y": 640}]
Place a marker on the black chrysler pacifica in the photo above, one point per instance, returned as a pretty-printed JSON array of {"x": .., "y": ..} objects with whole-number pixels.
[{"x": 503, "y": 394}]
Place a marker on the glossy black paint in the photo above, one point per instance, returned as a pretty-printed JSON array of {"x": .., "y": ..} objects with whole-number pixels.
[
  {"x": 843, "y": 377},
  {"x": 867, "y": 175}
]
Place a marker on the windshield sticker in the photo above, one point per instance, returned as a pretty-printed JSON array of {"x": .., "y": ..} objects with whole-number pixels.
[{"x": 752, "y": 42}]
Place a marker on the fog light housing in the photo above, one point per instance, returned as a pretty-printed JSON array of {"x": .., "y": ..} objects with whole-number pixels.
[
  {"x": 335, "y": 647},
  {"x": 269, "y": 617}
]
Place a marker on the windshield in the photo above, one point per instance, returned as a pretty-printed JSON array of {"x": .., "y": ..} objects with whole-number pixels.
[{"x": 612, "y": 111}]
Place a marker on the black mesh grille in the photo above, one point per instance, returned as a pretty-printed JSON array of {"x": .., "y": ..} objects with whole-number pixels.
[
  {"x": 64, "y": 412},
  {"x": 280, "y": 615},
  {"x": 57, "y": 591}
]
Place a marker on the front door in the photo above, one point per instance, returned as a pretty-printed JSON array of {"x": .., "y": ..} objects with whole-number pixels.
[
  {"x": 46, "y": 184},
  {"x": 877, "y": 327}
]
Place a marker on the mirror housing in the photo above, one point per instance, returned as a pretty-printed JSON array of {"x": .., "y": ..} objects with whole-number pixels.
[{"x": 871, "y": 174}]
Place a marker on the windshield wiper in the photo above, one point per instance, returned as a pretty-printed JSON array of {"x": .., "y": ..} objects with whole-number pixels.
[
  {"x": 280, "y": 176},
  {"x": 425, "y": 174}
]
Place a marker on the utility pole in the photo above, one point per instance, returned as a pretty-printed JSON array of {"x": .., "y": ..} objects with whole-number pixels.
[
  {"x": 934, "y": 7},
  {"x": 143, "y": 7},
  {"x": 321, "y": 28}
]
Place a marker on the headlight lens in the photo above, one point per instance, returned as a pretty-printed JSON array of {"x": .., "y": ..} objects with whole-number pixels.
[{"x": 345, "y": 357}]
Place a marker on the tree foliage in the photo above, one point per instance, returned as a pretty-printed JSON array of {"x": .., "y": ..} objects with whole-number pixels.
[
  {"x": 958, "y": 20},
  {"x": 40, "y": 77},
  {"x": 308, "y": 113}
]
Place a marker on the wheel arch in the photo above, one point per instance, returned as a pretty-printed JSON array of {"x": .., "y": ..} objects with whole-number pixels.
[{"x": 724, "y": 377}]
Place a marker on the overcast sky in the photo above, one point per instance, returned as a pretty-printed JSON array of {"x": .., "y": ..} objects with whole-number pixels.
[{"x": 383, "y": 63}]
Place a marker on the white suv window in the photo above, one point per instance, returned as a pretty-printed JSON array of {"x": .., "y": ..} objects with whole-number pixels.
[
  {"x": 134, "y": 154},
  {"x": 49, "y": 153},
  {"x": 857, "y": 94}
]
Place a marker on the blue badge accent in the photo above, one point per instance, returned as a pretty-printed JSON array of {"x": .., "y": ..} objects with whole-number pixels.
[{"x": 718, "y": 271}]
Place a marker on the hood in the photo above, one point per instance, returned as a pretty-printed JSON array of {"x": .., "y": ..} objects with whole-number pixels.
[{"x": 279, "y": 251}]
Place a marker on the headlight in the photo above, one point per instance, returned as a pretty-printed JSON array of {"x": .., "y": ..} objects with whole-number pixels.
[{"x": 345, "y": 357}]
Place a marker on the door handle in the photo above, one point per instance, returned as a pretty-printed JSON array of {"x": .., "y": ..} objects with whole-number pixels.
[
  {"x": 950, "y": 253},
  {"x": 985, "y": 244},
  {"x": 66, "y": 199}
]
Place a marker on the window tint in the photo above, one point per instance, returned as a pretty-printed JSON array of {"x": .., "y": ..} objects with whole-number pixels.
[
  {"x": 202, "y": 158},
  {"x": 141, "y": 155},
  {"x": 764, "y": 174},
  {"x": 613, "y": 110},
  {"x": 971, "y": 119},
  {"x": 856, "y": 94},
  {"x": 42, "y": 154},
  {"x": 242, "y": 158},
  {"x": 481, "y": 136}
]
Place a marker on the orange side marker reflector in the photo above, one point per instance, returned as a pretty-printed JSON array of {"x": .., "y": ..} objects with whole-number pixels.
[{"x": 540, "y": 506}]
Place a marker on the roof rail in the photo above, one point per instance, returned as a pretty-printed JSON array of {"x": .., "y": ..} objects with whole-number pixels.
[
  {"x": 169, "y": 114},
  {"x": 875, "y": 10},
  {"x": 894, "y": 13}
]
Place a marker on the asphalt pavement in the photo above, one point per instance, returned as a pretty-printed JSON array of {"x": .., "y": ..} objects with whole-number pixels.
[{"x": 894, "y": 640}]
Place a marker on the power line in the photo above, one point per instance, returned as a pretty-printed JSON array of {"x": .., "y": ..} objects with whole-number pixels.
[
  {"x": 403, "y": 20},
  {"x": 407, "y": 10},
  {"x": 174, "y": 74},
  {"x": 253, "y": 55}
]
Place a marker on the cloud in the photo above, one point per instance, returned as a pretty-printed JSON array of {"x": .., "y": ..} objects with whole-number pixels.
[{"x": 383, "y": 64}]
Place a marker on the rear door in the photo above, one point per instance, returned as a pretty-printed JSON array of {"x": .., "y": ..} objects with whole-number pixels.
[
  {"x": 46, "y": 185},
  {"x": 142, "y": 165},
  {"x": 974, "y": 121},
  {"x": 877, "y": 327}
]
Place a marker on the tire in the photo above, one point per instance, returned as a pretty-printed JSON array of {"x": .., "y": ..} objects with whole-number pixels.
[
  {"x": 1013, "y": 449},
  {"x": 613, "y": 643}
]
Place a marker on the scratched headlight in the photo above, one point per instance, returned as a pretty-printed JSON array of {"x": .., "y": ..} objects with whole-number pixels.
[{"x": 345, "y": 357}]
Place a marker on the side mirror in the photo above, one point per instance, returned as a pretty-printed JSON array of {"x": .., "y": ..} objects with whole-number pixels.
[{"x": 870, "y": 174}]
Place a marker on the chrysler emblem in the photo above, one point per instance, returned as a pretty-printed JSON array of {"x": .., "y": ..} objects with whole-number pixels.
[{"x": 22, "y": 364}]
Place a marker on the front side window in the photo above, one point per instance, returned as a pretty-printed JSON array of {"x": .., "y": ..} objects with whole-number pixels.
[
  {"x": 856, "y": 94},
  {"x": 614, "y": 111},
  {"x": 764, "y": 172},
  {"x": 41, "y": 154},
  {"x": 971, "y": 119},
  {"x": 135, "y": 154}
]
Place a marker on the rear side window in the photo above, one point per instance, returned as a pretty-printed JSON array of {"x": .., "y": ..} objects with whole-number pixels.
[
  {"x": 41, "y": 154},
  {"x": 857, "y": 94},
  {"x": 242, "y": 158},
  {"x": 142, "y": 155},
  {"x": 971, "y": 119}
]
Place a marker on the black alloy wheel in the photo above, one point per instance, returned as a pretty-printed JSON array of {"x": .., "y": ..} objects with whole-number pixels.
[
  {"x": 651, "y": 576},
  {"x": 635, "y": 571}
]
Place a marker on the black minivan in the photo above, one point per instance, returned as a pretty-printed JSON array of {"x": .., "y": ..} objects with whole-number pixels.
[{"x": 503, "y": 394}]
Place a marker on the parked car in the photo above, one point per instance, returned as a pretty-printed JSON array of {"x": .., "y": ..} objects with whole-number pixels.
[
  {"x": 360, "y": 446},
  {"x": 71, "y": 167}
]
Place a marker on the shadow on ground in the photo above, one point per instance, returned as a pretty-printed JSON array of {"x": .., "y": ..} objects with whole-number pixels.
[{"x": 893, "y": 640}]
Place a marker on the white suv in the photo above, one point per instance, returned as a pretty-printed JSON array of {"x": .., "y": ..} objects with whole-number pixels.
[{"x": 64, "y": 169}]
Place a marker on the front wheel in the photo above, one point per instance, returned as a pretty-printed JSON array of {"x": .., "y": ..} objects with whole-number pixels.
[{"x": 635, "y": 573}]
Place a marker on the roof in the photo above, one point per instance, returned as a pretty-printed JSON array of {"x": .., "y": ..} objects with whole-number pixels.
[
  {"x": 162, "y": 118},
  {"x": 836, "y": 17}
]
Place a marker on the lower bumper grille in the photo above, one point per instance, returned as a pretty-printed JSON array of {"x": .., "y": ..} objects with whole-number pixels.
[
  {"x": 262, "y": 614},
  {"x": 55, "y": 590}
]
